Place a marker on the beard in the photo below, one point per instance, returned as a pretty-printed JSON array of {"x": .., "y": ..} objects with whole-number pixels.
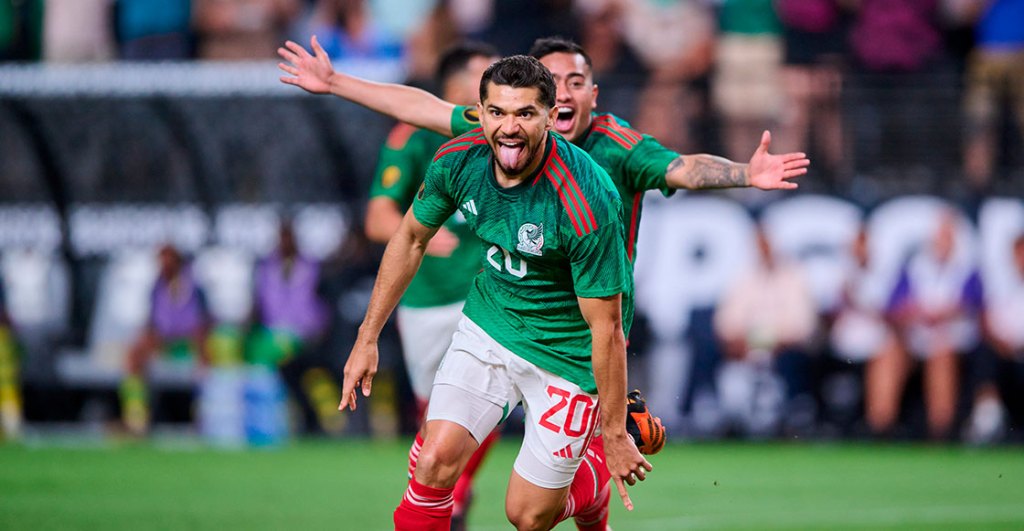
[{"x": 514, "y": 154}]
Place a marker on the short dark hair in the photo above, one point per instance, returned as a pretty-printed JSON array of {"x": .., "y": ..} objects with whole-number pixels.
[
  {"x": 546, "y": 46},
  {"x": 520, "y": 71},
  {"x": 456, "y": 57}
]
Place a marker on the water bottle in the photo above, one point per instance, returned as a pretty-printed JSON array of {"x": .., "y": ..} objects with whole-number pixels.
[
  {"x": 266, "y": 407},
  {"x": 221, "y": 407}
]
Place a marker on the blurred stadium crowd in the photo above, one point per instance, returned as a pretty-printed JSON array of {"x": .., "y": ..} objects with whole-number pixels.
[{"x": 205, "y": 212}]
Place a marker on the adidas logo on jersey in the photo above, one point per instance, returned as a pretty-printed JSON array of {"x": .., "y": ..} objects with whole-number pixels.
[
  {"x": 470, "y": 207},
  {"x": 564, "y": 452}
]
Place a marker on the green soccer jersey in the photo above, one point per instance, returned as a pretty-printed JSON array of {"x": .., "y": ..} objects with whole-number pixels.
[
  {"x": 555, "y": 237},
  {"x": 635, "y": 162},
  {"x": 400, "y": 170}
]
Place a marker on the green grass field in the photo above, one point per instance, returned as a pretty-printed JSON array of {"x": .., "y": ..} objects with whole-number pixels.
[{"x": 354, "y": 485}]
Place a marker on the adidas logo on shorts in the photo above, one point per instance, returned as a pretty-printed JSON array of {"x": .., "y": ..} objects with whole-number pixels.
[{"x": 564, "y": 452}]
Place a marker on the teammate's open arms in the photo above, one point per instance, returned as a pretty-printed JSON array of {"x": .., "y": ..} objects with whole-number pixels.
[
  {"x": 765, "y": 170},
  {"x": 420, "y": 108}
]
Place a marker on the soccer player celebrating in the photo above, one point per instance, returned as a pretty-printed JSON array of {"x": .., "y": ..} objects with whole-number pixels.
[
  {"x": 429, "y": 312},
  {"x": 635, "y": 162},
  {"x": 543, "y": 321}
]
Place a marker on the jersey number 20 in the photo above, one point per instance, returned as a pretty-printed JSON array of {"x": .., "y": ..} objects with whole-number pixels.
[{"x": 518, "y": 272}]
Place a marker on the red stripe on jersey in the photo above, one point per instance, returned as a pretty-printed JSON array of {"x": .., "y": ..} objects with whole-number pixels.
[
  {"x": 629, "y": 133},
  {"x": 399, "y": 135},
  {"x": 566, "y": 188},
  {"x": 468, "y": 137},
  {"x": 465, "y": 136},
  {"x": 634, "y": 219},
  {"x": 576, "y": 188},
  {"x": 564, "y": 196},
  {"x": 614, "y": 136},
  {"x": 462, "y": 146},
  {"x": 544, "y": 165}
]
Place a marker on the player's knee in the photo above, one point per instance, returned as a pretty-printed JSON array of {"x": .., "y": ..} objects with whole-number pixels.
[
  {"x": 526, "y": 518},
  {"x": 438, "y": 466},
  {"x": 523, "y": 522}
]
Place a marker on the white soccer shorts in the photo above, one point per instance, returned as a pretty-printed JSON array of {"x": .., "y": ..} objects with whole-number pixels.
[
  {"x": 480, "y": 381},
  {"x": 426, "y": 334}
]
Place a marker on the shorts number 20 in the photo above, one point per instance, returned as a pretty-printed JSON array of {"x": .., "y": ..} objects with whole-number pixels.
[{"x": 581, "y": 409}]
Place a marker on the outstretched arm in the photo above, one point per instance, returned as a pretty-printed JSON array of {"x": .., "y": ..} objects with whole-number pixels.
[
  {"x": 765, "y": 170},
  {"x": 604, "y": 317},
  {"x": 401, "y": 260},
  {"x": 314, "y": 73}
]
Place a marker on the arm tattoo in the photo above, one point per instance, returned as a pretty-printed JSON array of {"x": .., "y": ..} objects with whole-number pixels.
[
  {"x": 708, "y": 171},
  {"x": 675, "y": 164}
]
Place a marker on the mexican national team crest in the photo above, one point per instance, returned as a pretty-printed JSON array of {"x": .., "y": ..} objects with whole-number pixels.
[{"x": 531, "y": 239}]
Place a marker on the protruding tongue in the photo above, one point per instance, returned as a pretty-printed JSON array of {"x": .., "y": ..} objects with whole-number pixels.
[{"x": 509, "y": 155}]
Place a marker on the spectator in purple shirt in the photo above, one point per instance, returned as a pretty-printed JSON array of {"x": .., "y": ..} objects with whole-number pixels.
[
  {"x": 290, "y": 321},
  {"x": 178, "y": 326},
  {"x": 287, "y": 305},
  {"x": 935, "y": 309}
]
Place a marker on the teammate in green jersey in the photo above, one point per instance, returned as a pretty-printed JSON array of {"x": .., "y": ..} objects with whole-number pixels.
[
  {"x": 432, "y": 305},
  {"x": 543, "y": 322},
  {"x": 635, "y": 162}
]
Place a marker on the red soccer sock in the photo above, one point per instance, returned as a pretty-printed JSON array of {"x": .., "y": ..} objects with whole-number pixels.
[
  {"x": 424, "y": 508},
  {"x": 465, "y": 483},
  {"x": 595, "y": 517},
  {"x": 414, "y": 453},
  {"x": 589, "y": 492}
]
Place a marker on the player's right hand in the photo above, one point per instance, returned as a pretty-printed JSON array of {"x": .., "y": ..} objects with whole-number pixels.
[
  {"x": 625, "y": 464},
  {"x": 359, "y": 372},
  {"x": 311, "y": 73}
]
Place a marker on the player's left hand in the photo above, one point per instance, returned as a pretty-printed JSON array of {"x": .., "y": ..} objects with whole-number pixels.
[
  {"x": 772, "y": 172},
  {"x": 625, "y": 463}
]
